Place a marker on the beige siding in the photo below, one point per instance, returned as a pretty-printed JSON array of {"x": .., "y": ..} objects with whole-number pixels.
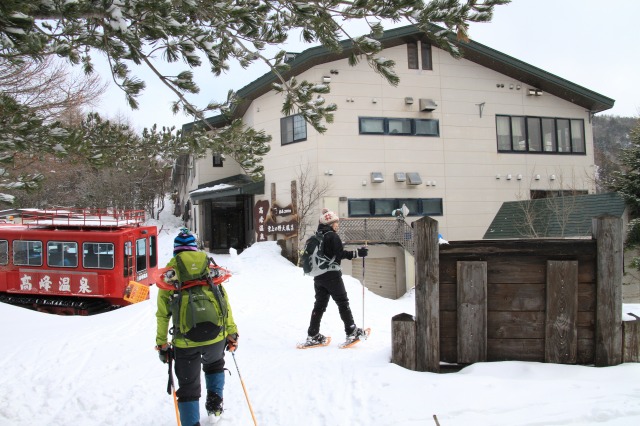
[{"x": 461, "y": 164}]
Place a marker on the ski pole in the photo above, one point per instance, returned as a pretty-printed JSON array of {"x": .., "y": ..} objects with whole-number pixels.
[
  {"x": 253, "y": 416},
  {"x": 171, "y": 389},
  {"x": 363, "y": 286}
]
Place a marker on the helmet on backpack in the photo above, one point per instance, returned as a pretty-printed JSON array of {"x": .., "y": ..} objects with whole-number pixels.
[{"x": 185, "y": 241}]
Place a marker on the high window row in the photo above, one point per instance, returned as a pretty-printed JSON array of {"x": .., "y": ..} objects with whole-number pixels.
[
  {"x": 540, "y": 134},
  {"x": 382, "y": 207}
]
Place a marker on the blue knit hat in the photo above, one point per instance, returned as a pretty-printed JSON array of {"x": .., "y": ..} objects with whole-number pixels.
[{"x": 185, "y": 241}]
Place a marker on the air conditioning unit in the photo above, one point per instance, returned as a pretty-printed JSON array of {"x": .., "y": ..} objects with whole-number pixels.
[
  {"x": 377, "y": 177},
  {"x": 399, "y": 176},
  {"x": 427, "y": 105},
  {"x": 414, "y": 179}
]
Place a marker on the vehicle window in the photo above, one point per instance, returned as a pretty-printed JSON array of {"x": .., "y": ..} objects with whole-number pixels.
[
  {"x": 128, "y": 259},
  {"x": 98, "y": 255},
  {"x": 27, "y": 253},
  {"x": 4, "y": 252},
  {"x": 62, "y": 253},
  {"x": 153, "y": 252},
  {"x": 141, "y": 255}
]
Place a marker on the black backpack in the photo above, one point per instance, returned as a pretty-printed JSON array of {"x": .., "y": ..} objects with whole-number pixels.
[{"x": 313, "y": 260}]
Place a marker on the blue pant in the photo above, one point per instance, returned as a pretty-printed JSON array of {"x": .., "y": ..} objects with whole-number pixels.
[{"x": 187, "y": 364}]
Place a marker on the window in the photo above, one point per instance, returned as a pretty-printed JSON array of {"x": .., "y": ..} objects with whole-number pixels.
[
  {"x": 542, "y": 135},
  {"x": 382, "y": 207},
  {"x": 128, "y": 259},
  {"x": 141, "y": 255},
  {"x": 62, "y": 254},
  {"x": 537, "y": 194},
  {"x": 4, "y": 252},
  {"x": 427, "y": 63},
  {"x": 27, "y": 253},
  {"x": 534, "y": 135},
  {"x": 293, "y": 129},
  {"x": 153, "y": 252},
  {"x": 97, "y": 255},
  {"x": 413, "y": 61},
  {"x": 564, "y": 136},
  {"x": 217, "y": 160},
  {"x": 398, "y": 126},
  {"x": 412, "y": 55},
  {"x": 373, "y": 126},
  {"x": 427, "y": 127}
]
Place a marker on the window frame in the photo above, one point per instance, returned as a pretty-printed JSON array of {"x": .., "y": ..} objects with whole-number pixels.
[
  {"x": 29, "y": 249},
  {"x": 217, "y": 160},
  {"x": 4, "y": 252},
  {"x": 98, "y": 258},
  {"x": 385, "y": 121},
  {"x": 284, "y": 132},
  {"x": 547, "y": 129},
  {"x": 63, "y": 256},
  {"x": 392, "y": 204}
]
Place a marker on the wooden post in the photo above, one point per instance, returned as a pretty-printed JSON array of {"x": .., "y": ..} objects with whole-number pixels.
[
  {"x": 607, "y": 230},
  {"x": 273, "y": 203},
  {"x": 561, "y": 330},
  {"x": 403, "y": 341},
  {"x": 472, "y": 312},
  {"x": 631, "y": 341},
  {"x": 427, "y": 264},
  {"x": 294, "y": 204}
]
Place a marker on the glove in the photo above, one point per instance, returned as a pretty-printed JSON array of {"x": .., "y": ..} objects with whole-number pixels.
[
  {"x": 232, "y": 342},
  {"x": 363, "y": 252},
  {"x": 164, "y": 351}
]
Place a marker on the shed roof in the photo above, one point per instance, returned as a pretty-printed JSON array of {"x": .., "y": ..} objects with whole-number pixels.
[
  {"x": 472, "y": 51},
  {"x": 563, "y": 216}
]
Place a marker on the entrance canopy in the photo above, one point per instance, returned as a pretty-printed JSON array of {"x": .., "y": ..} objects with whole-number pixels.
[{"x": 234, "y": 185}]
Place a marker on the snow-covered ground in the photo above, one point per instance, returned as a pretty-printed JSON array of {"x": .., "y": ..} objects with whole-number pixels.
[{"x": 103, "y": 370}]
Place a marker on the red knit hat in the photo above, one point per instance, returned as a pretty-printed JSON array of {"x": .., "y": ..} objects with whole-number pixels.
[{"x": 328, "y": 217}]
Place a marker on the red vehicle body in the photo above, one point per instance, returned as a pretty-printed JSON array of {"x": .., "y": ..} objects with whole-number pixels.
[{"x": 76, "y": 261}]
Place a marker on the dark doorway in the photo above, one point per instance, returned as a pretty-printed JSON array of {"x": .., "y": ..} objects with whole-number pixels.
[{"x": 227, "y": 225}]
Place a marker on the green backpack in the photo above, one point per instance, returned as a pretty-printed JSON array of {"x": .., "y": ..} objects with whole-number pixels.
[
  {"x": 198, "y": 311},
  {"x": 191, "y": 265}
]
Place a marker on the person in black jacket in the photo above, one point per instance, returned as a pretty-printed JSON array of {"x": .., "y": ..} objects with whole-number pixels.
[{"x": 330, "y": 284}]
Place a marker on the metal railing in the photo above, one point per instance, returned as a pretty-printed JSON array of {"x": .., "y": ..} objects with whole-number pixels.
[{"x": 374, "y": 230}]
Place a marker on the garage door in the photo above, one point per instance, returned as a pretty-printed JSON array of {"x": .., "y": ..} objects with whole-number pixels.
[{"x": 380, "y": 275}]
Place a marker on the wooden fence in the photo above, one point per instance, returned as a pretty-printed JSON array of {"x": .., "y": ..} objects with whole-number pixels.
[{"x": 544, "y": 300}]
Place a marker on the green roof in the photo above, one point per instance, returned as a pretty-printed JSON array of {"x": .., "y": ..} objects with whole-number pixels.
[
  {"x": 472, "y": 51},
  {"x": 227, "y": 187},
  {"x": 557, "y": 217}
]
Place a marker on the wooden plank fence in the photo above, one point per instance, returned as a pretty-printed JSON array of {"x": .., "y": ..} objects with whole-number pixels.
[{"x": 556, "y": 301}]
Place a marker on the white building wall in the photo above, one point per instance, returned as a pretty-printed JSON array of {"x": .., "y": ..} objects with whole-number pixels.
[{"x": 461, "y": 165}]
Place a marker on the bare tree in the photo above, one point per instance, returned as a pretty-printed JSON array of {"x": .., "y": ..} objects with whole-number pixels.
[
  {"x": 309, "y": 191},
  {"x": 541, "y": 209},
  {"x": 51, "y": 89}
]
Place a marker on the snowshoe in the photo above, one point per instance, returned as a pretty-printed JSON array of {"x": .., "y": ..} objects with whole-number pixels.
[
  {"x": 356, "y": 336},
  {"x": 314, "y": 342}
]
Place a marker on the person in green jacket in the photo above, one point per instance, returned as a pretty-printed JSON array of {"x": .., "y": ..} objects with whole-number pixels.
[{"x": 189, "y": 355}]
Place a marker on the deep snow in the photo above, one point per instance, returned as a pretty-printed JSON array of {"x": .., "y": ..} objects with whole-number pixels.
[{"x": 103, "y": 370}]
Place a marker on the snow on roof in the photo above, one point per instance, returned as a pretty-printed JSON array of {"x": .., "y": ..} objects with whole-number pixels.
[{"x": 214, "y": 188}]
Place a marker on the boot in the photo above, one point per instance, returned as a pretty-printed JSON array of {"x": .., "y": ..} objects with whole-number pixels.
[{"x": 214, "y": 404}]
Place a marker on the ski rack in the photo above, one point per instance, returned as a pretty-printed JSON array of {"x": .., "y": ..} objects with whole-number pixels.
[{"x": 83, "y": 217}]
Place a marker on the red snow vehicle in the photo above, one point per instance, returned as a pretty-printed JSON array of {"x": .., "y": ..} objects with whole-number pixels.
[{"x": 76, "y": 261}]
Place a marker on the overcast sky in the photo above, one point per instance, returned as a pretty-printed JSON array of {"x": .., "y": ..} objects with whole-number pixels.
[{"x": 593, "y": 43}]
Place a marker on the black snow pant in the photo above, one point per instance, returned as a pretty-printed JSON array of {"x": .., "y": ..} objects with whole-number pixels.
[
  {"x": 188, "y": 362},
  {"x": 333, "y": 287}
]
